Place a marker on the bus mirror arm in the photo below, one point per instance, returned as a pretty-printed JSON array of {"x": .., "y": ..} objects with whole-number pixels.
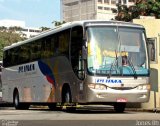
[
  {"x": 84, "y": 52},
  {"x": 82, "y": 71},
  {"x": 84, "y": 67},
  {"x": 85, "y": 42}
]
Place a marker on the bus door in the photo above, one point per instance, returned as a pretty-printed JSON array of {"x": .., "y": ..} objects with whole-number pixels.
[{"x": 76, "y": 55}]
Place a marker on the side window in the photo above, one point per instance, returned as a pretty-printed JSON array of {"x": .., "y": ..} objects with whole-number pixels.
[
  {"x": 63, "y": 42},
  {"x": 54, "y": 44},
  {"x": 6, "y": 58},
  {"x": 76, "y": 49},
  {"x": 35, "y": 50},
  {"x": 25, "y": 53},
  {"x": 152, "y": 49},
  {"x": 46, "y": 50},
  {"x": 49, "y": 47},
  {"x": 15, "y": 57}
]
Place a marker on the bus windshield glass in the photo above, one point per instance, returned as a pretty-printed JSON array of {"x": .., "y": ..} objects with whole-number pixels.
[{"x": 117, "y": 51}]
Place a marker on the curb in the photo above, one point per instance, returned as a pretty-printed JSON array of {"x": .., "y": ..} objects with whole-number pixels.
[{"x": 143, "y": 110}]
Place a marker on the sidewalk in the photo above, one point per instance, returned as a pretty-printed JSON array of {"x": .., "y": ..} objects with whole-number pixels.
[{"x": 157, "y": 110}]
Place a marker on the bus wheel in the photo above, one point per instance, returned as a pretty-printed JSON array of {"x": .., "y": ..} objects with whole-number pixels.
[
  {"x": 17, "y": 103},
  {"x": 119, "y": 107},
  {"x": 67, "y": 101}
]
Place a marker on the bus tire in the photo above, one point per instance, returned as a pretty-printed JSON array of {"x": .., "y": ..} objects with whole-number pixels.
[
  {"x": 17, "y": 104},
  {"x": 67, "y": 101},
  {"x": 119, "y": 107}
]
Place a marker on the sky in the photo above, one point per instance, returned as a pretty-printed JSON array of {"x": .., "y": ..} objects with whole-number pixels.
[{"x": 35, "y": 13}]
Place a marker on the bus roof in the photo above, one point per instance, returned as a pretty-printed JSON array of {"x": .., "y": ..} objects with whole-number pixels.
[{"x": 70, "y": 25}]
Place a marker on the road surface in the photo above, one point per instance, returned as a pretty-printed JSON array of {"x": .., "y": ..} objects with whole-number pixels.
[{"x": 85, "y": 117}]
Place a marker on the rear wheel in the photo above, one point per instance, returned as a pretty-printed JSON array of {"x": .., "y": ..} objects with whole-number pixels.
[
  {"x": 17, "y": 103},
  {"x": 119, "y": 107}
]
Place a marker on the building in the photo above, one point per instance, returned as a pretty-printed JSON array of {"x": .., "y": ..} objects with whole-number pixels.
[
  {"x": 74, "y": 10},
  {"x": 153, "y": 34},
  {"x": 24, "y": 31},
  {"x": 29, "y": 32}
]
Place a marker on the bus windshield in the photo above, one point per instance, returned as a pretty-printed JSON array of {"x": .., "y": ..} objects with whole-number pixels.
[{"x": 116, "y": 51}]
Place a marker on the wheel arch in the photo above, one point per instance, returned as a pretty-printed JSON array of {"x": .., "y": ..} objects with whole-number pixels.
[
  {"x": 15, "y": 91},
  {"x": 65, "y": 87}
]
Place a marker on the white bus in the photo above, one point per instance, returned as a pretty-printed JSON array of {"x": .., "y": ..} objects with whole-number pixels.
[{"x": 83, "y": 62}]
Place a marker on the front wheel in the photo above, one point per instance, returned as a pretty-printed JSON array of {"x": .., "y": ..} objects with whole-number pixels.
[{"x": 119, "y": 107}]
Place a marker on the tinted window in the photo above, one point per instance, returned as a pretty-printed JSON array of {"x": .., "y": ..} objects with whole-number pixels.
[{"x": 52, "y": 45}]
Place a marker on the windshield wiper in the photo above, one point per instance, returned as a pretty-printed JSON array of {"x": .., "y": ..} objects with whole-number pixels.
[
  {"x": 132, "y": 66},
  {"x": 127, "y": 61},
  {"x": 115, "y": 63}
]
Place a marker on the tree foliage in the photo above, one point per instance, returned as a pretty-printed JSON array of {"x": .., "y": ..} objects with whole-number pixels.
[
  {"x": 8, "y": 36},
  {"x": 57, "y": 23},
  {"x": 141, "y": 8},
  {"x": 44, "y": 28}
]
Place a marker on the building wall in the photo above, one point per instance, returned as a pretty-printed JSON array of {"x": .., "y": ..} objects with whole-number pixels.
[
  {"x": 30, "y": 32},
  {"x": 73, "y": 10},
  {"x": 152, "y": 27}
]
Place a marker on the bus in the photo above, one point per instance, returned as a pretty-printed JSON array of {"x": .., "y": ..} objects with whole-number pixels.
[{"x": 81, "y": 62}]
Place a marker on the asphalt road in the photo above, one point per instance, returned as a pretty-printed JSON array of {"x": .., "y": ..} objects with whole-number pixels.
[{"x": 84, "y": 117}]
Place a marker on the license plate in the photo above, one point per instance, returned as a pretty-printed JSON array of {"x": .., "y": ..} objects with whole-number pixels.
[{"x": 121, "y": 100}]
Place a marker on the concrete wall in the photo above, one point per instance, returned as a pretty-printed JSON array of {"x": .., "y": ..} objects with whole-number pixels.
[{"x": 152, "y": 27}]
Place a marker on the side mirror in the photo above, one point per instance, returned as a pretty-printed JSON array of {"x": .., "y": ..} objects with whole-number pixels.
[{"x": 151, "y": 45}]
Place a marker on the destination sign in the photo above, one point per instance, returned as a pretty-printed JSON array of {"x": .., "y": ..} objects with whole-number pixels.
[{"x": 117, "y": 81}]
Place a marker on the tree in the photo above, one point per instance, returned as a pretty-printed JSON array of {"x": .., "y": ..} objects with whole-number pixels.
[
  {"x": 57, "y": 23},
  {"x": 141, "y": 8},
  {"x": 7, "y": 37},
  {"x": 2, "y": 28},
  {"x": 45, "y": 28},
  {"x": 123, "y": 13},
  {"x": 14, "y": 29}
]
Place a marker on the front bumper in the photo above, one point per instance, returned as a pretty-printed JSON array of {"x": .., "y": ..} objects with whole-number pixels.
[{"x": 111, "y": 95}]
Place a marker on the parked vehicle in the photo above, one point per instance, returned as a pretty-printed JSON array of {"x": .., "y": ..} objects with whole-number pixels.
[{"x": 84, "y": 62}]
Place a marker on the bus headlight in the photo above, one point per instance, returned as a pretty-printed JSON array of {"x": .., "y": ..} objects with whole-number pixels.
[
  {"x": 143, "y": 87},
  {"x": 97, "y": 86}
]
